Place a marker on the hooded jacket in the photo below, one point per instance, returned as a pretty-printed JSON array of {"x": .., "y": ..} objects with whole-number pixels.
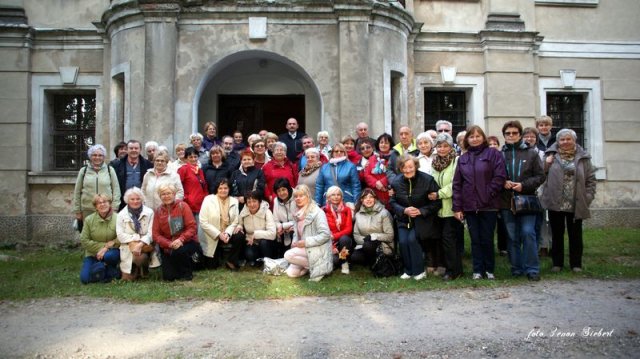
[{"x": 376, "y": 223}]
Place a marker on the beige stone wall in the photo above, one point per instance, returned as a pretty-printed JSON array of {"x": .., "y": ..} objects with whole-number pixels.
[
  {"x": 63, "y": 14},
  {"x": 611, "y": 20}
]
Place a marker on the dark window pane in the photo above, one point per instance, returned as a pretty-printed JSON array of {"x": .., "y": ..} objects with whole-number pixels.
[
  {"x": 567, "y": 111},
  {"x": 74, "y": 118},
  {"x": 445, "y": 105}
]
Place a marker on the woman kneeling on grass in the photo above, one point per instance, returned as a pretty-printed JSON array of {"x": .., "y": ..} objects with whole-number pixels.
[
  {"x": 174, "y": 229},
  {"x": 98, "y": 238},
  {"x": 137, "y": 252},
  {"x": 311, "y": 247},
  {"x": 258, "y": 227}
]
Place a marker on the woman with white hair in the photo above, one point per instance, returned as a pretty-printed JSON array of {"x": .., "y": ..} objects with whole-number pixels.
[
  {"x": 323, "y": 143},
  {"x": 95, "y": 178},
  {"x": 311, "y": 247},
  {"x": 196, "y": 142},
  {"x": 156, "y": 176},
  {"x": 309, "y": 174},
  {"x": 567, "y": 194},
  {"x": 151, "y": 148},
  {"x": 425, "y": 157},
  {"x": 133, "y": 228}
]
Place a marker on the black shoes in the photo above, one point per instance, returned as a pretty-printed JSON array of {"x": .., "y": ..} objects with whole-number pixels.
[
  {"x": 534, "y": 277},
  {"x": 447, "y": 277}
]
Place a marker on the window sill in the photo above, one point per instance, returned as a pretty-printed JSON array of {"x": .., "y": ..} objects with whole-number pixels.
[
  {"x": 569, "y": 3},
  {"x": 53, "y": 177}
]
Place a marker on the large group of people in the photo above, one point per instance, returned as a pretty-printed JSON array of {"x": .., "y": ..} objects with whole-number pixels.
[{"x": 224, "y": 202}]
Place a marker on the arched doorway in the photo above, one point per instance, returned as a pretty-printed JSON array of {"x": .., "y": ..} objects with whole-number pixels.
[{"x": 254, "y": 90}]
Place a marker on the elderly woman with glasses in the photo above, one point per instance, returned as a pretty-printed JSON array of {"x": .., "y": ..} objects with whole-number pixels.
[
  {"x": 278, "y": 167},
  {"x": 339, "y": 172},
  {"x": 96, "y": 177}
]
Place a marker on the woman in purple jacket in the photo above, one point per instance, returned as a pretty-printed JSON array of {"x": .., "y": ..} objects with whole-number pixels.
[{"x": 477, "y": 184}]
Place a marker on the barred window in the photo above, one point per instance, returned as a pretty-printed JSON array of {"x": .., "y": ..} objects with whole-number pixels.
[
  {"x": 74, "y": 128},
  {"x": 445, "y": 105},
  {"x": 567, "y": 111}
]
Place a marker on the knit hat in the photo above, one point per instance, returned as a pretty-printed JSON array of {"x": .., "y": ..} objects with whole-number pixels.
[{"x": 443, "y": 137}]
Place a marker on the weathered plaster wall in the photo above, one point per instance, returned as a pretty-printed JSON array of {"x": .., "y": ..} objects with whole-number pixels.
[
  {"x": 612, "y": 20},
  {"x": 64, "y": 13}
]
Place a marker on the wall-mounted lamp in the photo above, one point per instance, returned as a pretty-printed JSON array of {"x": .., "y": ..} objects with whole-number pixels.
[
  {"x": 448, "y": 74},
  {"x": 568, "y": 78}
]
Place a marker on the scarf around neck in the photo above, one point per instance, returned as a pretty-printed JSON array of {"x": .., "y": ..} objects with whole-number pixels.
[
  {"x": 440, "y": 163},
  {"x": 135, "y": 217}
]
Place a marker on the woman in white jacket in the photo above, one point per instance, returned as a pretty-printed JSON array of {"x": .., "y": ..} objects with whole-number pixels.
[
  {"x": 311, "y": 247},
  {"x": 133, "y": 229},
  {"x": 259, "y": 228},
  {"x": 158, "y": 175},
  {"x": 218, "y": 220}
]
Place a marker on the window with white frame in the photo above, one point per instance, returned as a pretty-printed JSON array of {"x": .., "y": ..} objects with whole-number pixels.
[{"x": 63, "y": 121}]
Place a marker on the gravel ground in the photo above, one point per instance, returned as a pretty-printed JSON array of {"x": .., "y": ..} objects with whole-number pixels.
[{"x": 575, "y": 319}]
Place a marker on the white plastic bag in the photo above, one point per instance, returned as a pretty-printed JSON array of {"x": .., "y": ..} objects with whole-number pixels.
[{"x": 275, "y": 266}]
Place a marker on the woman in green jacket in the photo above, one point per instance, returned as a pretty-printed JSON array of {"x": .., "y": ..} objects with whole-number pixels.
[
  {"x": 444, "y": 167},
  {"x": 94, "y": 178},
  {"x": 100, "y": 243}
]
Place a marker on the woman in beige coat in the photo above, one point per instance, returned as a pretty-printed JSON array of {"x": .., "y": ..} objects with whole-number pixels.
[
  {"x": 158, "y": 175},
  {"x": 311, "y": 247},
  {"x": 373, "y": 227},
  {"x": 257, "y": 224},
  {"x": 218, "y": 220},
  {"x": 133, "y": 228}
]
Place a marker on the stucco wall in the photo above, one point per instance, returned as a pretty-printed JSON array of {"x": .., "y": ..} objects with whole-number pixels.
[{"x": 64, "y": 13}]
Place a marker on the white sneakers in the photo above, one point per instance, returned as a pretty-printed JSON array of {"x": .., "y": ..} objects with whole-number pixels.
[
  {"x": 405, "y": 276},
  {"x": 420, "y": 276},
  {"x": 477, "y": 276},
  {"x": 345, "y": 268}
]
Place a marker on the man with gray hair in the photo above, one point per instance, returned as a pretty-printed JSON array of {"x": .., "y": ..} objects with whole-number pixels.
[
  {"x": 131, "y": 169},
  {"x": 444, "y": 126}
]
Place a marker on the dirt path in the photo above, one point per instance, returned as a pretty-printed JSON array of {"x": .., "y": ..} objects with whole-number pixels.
[{"x": 545, "y": 319}]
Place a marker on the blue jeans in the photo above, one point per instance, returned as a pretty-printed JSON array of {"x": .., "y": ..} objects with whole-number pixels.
[
  {"x": 523, "y": 242},
  {"x": 93, "y": 272},
  {"x": 481, "y": 225},
  {"x": 411, "y": 250}
]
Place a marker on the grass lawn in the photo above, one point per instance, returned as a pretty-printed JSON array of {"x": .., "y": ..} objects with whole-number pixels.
[{"x": 608, "y": 254}]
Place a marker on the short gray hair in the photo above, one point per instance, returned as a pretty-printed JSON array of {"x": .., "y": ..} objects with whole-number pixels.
[
  {"x": 131, "y": 191},
  {"x": 280, "y": 144},
  {"x": 564, "y": 132},
  {"x": 424, "y": 136},
  {"x": 151, "y": 144},
  {"x": 322, "y": 134},
  {"x": 194, "y": 136},
  {"x": 444, "y": 122},
  {"x": 96, "y": 147}
]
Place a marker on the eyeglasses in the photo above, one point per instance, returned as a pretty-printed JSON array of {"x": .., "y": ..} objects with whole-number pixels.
[
  {"x": 444, "y": 130},
  {"x": 258, "y": 146},
  {"x": 514, "y": 133},
  {"x": 363, "y": 148},
  {"x": 160, "y": 161},
  {"x": 192, "y": 156},
  {"x": 338, "y": 151}
]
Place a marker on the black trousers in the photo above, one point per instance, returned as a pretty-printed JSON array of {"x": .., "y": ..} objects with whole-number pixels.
[
  {"x": 366, "y": 255},
  {"x": 557, "y": 221},
  {"x": 177, "y": 264},
  {"x": 264, "y": 248},
  {"x": 452, "y": 254}
]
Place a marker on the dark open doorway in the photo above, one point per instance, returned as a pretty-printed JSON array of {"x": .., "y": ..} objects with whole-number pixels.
[{"x": 252, "y": 113}]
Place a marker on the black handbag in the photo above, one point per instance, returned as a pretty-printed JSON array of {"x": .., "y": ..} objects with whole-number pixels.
[
  {"x": 525, "y": 204},
  {"x": 386, "y": 265}
]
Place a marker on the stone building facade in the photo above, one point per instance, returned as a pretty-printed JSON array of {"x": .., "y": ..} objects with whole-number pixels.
[{"x": 158, "y": 70}]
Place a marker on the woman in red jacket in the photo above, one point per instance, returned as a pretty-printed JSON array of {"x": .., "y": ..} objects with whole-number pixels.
[
  {"x": 194, "y": 183},
  {"x": 278, "y": 167},
  {"x": 340, "y": 220},
  {"x": 174, "y": 229}
]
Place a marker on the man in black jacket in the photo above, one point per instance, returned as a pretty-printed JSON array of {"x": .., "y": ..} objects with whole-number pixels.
[
  {"x": 131, "y": 169},
  {"x": 293, "y": 139}
]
